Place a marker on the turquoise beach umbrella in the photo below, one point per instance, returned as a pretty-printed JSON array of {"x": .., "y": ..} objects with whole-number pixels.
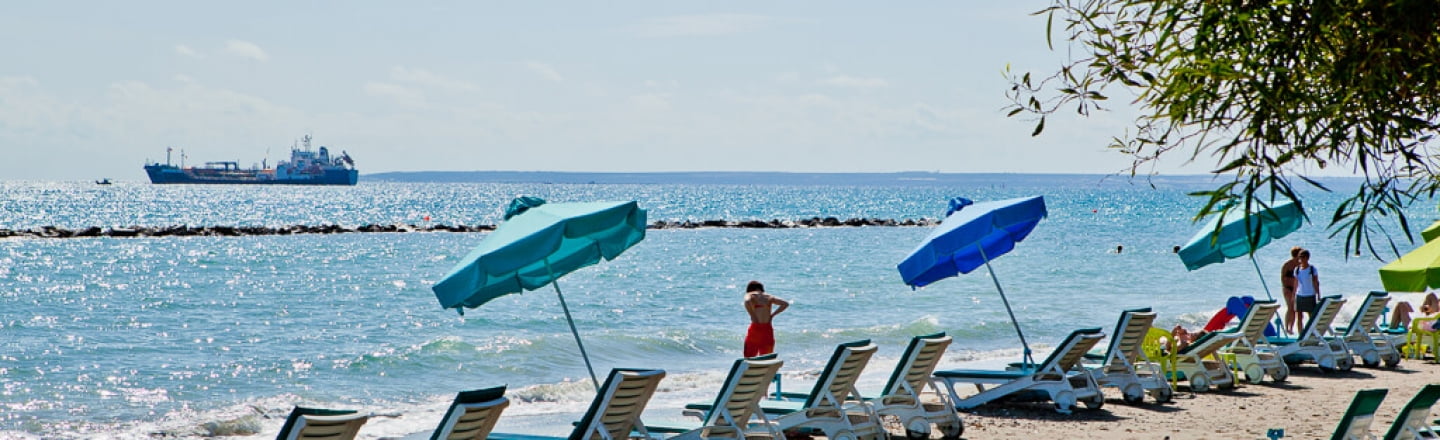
[
  {"x": 1228, "y": 236},
  {"x": 536, "y": 245}
]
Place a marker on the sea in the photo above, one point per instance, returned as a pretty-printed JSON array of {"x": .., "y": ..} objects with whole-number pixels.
[{"x": 199, "y": 337}]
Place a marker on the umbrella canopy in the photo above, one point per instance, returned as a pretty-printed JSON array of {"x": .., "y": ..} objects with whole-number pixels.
[
  {"x": 1415, "y": 271},
  {"x": 1232, "y": 240},
  {"x": 956, "y": 246},
  {"x": 1431, "y": 231},
  {"x": 537, "y": 244},
  {"x": 970, "y": 236}
]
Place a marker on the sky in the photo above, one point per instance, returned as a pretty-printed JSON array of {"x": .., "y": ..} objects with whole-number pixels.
[{"x": 96, "y": 89}]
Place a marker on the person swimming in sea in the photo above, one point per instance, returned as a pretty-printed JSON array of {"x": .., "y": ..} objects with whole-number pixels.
[{"x": 762, "y": 307}]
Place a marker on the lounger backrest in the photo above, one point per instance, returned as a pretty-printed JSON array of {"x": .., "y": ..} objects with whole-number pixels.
[
  {"x": 1355, "y": 424},
  {"x": 1208, "y": 344},
  {"x": 1252, "y": 326},
  {"x": 342, "y": 427},
  {"x": 1413, "y": 421},
  {"x": 739, "y": 399},
  {"x": 472, "y": 415},
  {"x": 1369, "y": 313},
  {"x": 1070, "y": 351},
  {"x": 837, "y": 380},
  {"x": 616, "y": 409},
  {"x": 1319, "y": 326},
  {"x": 295, "y": 419},
  {"x": 1129, "y": 334},
  {"x": 917, "y": 365}
]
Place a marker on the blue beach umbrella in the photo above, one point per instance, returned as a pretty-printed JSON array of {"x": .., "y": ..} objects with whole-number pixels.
[
  {"x": 971, "y": 235},
  {"x": 1227, "y": 237},
  {"x": 537, "y": 244}
]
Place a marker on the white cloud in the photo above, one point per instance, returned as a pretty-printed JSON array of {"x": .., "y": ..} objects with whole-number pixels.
[
  {"x": 700, "y": 25},
  {"x": 187, "y": 51},
  {"x": 246, "y": 49},
  {"x": 850, "y": 81},
  {"x": 430, "y": 79},
  {"x": 401, "y": 94},
  {"x": 545, "y": 71}
]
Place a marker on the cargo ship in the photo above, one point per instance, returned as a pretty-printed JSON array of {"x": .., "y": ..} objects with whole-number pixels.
[{"x": 305, "y": 167}]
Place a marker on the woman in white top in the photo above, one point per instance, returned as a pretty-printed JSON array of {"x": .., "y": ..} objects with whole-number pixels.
[{"x": 1307, "y": 286}]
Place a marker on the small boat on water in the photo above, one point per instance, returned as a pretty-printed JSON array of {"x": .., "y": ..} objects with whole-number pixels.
[
  {"x": 105, "y": 181},
  {"x": 305, "y": 167}
]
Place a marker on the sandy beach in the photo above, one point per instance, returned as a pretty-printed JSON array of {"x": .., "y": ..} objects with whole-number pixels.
[{"x": 1307, "y": 406}]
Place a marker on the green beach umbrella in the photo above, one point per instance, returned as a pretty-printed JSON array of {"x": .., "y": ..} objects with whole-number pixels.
[
  {"x": 536, "y": 245},
  {"x": 1431, "y": 231},
  {"x": 1415, "y": 271}
]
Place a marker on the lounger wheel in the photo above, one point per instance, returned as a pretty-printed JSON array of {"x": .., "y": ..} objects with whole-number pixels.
[
  {"x": 1392, "y": 360},
  {"x": 1254, "y": 374},
  {"x": 917, "y": 429},
  {"x": 1065, "y": 402},
  {"x": 1134, "y": 394},
  {"x": 1096, "y": 402},
  {"x": 1345, "y": 363},
  {"x": 952, "y": 431},
  {"x": 1370, "y": 358},
  {"x": 1199, "y": 382},
  {"x": 1163, "y": 395},
  {"x": 1281, "y": 373}
]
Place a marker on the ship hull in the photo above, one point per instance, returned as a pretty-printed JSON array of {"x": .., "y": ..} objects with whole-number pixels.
[{"x": 169, "y": 174}]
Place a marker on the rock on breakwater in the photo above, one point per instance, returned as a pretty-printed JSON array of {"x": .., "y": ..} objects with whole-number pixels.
[{"x": 237, "y": 231}]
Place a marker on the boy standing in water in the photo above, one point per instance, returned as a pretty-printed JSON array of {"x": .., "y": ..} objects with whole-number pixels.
[{"x": 760, "y": 338}]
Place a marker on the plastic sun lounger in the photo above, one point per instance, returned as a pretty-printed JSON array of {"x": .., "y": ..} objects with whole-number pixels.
[
  {"x": 1200, "y": 364},
  {"x": 1055, "y": 378},
  {"x": 913, "y": 395},
  {"x": 1355, "y": 424},
  {"x": 1253, "y": 352},
  {"x": 1312, "y": 344},
  {"x": 472, "y": 415},
  {"x": 736, "y": 407},
  {"x": 317, "y": 423},
  {"x": 1413, "y": 421},
  {"x": 1125, "y": 364},
  {"x": 833, "y": 406},
  {"x": 615, "y": 412},
  {"x": 1363, "y": 336}
]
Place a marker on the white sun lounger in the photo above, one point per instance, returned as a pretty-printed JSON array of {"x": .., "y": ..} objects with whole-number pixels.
[
  {"x": 615, "y": 412},
  {"x": 1125, "y": 364},
  {"x": 1200, "y": 363},
  {"x": 833, "y": 406},
  {"x": 913, "y": 395},
  {"x": 472, "y": 415},
  {"x": 1329, "y": 354},
  {"x": 321, "y": 424},
  {"x": 1252, "y": 351},
  {"x": 1363, "y": 336},
  {"x": 1055, "y": 379},
  {"x": 735, "y": 413}
]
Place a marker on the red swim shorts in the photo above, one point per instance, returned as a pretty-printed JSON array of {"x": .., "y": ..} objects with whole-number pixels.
[{"x": 760, "y": 339}]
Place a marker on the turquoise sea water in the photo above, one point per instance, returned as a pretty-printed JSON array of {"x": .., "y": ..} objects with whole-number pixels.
[{"x": 133, "y": 337}]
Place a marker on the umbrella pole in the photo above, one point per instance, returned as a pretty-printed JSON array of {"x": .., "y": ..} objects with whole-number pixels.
[
  {"x": 1279, "y": 320},
  {"x": 1262, "y": 277},
  {"x": 1029, "y": 360},
  {"x": 570, "y": 320}
]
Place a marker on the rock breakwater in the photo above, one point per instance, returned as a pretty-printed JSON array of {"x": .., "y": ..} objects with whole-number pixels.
[{"x": 238, "y": 231}]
